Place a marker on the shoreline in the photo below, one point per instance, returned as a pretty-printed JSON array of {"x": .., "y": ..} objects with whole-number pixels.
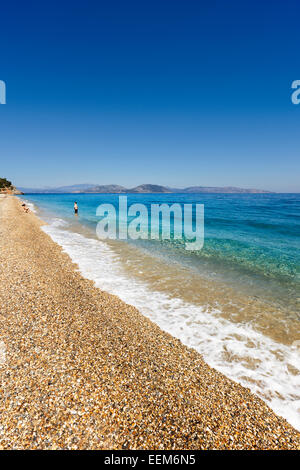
[
  {"x": 84, "y": 370},
  {"x": 245, "y": 338}
]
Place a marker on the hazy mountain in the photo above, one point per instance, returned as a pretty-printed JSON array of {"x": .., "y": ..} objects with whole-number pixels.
[
  {"x": 75, "y": 188},
  {"x": 227, "y": 189},
  {"x": 149, "y": 188},
  {"x": 141, "y": 189},
  {"x": 108, "y": 188}
]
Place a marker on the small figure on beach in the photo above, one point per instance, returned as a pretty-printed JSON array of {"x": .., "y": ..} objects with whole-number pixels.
[
  {"x": 76, "y": 208},
  {"x": 26, "y": 209}
]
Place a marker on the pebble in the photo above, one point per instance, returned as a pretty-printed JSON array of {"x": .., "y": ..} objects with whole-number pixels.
[{"x": 81, "y": 369}]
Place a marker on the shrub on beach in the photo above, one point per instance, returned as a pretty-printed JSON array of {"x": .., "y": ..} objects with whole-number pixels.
[{"x": 5, "y": 184}]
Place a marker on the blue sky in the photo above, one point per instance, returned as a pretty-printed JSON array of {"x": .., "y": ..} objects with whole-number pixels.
[{"x": 177, "y": 93}]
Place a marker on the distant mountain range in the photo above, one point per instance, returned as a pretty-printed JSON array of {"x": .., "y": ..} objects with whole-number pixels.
[{"x": 142, "y": 189}]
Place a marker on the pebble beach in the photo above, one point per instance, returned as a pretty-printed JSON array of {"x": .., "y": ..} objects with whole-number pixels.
[{"x": 80, "y": 369}]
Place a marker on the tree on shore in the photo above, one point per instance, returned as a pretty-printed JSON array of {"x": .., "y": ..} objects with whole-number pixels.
[{"x": 5, "y": 184}]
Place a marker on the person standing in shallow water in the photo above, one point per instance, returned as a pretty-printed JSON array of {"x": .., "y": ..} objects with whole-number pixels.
[{"x": 76, "y": 208}]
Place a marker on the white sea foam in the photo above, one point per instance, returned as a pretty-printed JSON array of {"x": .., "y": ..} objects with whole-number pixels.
[
  {"x": 30, "y": 205},
  {"x": 236, "y": 350},
  {"x": 2, "y": 353}
]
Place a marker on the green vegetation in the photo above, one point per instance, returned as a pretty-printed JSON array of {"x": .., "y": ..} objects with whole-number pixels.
[{"x": 4, "y": 183}]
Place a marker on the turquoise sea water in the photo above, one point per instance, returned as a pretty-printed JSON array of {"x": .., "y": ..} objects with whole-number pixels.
[
  {"x": 236, "y": 301},
  {"x": 251, "y": 240}
]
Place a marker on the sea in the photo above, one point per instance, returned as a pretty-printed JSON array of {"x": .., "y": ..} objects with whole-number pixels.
[{"x": 236, "y": 301}]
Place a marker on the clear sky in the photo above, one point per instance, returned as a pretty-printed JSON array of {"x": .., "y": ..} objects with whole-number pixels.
[{"x": 177, "y": 93}]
